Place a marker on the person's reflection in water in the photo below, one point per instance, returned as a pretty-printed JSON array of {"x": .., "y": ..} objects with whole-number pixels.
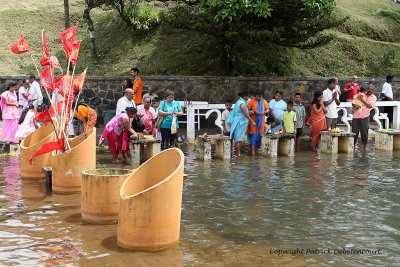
[{"x": 12, "y": 178}]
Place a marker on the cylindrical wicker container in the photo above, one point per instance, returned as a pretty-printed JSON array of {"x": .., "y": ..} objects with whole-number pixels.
[
  {"x": 150, "y": 205},
  {"x": 29, "y": 146},
  {"x": 67, "y": 166},
  {"x": 100, "y": 194}
]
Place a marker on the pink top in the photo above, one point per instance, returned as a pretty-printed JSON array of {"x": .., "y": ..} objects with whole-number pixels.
[
  {"x": 364, "y": 113},
  {"x": 117, "y": 123},
  {"x": 9, "y": 112}
]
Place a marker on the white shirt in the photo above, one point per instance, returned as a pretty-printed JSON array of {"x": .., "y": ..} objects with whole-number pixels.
[
  {"x": 22, "y": 100},
  {"x": 36, "y": 93},
  {"x": 387, "y": 90},
  {"x": 56, "y": 97},
  {"x": 332, "y": 107},
  {"x": 123, "y": 103},
  {"x": 225, "y": 116}
]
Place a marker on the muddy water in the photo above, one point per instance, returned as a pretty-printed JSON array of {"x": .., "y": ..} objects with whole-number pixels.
[{"x": 320, "y": 208}]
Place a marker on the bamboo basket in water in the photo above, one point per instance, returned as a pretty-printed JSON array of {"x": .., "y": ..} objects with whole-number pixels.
[
  {"x": 29, "y": 146},
  {"x": 67, "y": 166},
  {"x": 150, "y": 204},
  {"x": 100, "y": 194}
]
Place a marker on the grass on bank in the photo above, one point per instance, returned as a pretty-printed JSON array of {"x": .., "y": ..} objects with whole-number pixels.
[{"x": 367, "y": 44}]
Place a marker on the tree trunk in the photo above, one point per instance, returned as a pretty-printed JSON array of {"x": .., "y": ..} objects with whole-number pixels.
[
  {"x": 86, "y": 16},
  {"x": 66, "y": 14}
]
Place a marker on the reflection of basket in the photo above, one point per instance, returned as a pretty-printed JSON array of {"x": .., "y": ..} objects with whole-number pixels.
[
  {"x": 67, "y": 166},
  {"x": 29, "y": 146},
  {"x": 150, "y": 205}
]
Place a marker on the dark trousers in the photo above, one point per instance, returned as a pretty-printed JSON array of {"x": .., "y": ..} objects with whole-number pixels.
[
  {"x": 361, "y": 126},
  {"x": 389, "y": 111},
  {"x": 167, "y": 139}
]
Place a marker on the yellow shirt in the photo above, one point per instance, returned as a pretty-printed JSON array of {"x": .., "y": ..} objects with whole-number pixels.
[{"x": 289, "y": 118}]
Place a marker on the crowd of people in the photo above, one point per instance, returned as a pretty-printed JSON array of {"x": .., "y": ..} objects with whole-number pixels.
[
  {"x": 251, "y": 112},
  {"x": 139, "y": 114}
]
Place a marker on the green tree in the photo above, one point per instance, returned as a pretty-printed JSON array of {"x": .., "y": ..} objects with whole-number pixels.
[{"x": 289, "y": 23}]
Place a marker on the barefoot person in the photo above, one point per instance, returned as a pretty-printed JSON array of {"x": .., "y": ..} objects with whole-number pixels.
[
  {"x": 301, "y": 118},
  {"x": 361, "y": 114},
  {"x": 87, "y": 115},
  {"x": 258, "y": 107},
  {"x": 238, "y": 119},
  {"x": 114, "y": 129},
  {"x": 317, "y": 119},
  {"x": 9, "y": 107}
]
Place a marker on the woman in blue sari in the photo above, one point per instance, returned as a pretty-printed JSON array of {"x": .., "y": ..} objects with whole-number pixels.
[
  {"x": 276, "y": 108},
  {"x": 238, "y": 119}
]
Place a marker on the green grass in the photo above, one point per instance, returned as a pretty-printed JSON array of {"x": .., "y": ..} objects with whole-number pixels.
[{"x": 366, "y": 45}]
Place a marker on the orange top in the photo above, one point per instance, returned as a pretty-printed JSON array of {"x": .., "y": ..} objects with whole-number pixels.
[
  {"x": 138, "y": 95},
  {"x": 253, "y": 105}
]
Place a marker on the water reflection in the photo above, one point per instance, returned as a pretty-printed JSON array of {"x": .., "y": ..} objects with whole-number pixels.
[{"x": 233, "y": 213}]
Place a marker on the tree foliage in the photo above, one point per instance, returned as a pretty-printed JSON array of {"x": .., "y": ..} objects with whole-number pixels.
[{"x": 289, "y": 23}]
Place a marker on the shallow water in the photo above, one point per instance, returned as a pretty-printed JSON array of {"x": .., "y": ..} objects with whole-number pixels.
[{"x": 234, "y": 213}]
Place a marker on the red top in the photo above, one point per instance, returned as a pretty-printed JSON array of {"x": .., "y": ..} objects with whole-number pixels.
[{"x": 353, "y": 92}]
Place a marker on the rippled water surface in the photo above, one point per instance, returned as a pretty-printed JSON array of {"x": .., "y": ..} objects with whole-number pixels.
[{"x": 235, "y": 213}]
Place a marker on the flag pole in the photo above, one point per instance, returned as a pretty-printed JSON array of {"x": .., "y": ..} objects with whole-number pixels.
[{"x": 48, "y": 95}]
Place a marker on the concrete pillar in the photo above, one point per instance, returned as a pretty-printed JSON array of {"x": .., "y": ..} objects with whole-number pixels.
[
  {"x": 153, "y": 149},
  {"x": 191, "y": 129},
  {"x": 135, "y": 153},
  {"x": 223, "y": 149},
  {"x": 203, "y": 149},
  {"x": 346, "y": 144}
]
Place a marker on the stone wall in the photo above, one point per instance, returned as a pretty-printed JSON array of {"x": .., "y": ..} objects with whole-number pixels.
[{"x": 102, "y": 93}]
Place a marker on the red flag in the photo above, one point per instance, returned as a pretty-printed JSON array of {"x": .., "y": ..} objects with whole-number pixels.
[
  {"x": 54, "y": 61},
  {"x": 45, "y": 61},
  {"x": 46, "y": 78},
  {"x": 58, "y": 145},
  {"x": 59, "y": 106},
  {"x": 67, "y": 38},
  {"x": 21, "y": 46},
  {"x": 44, "y": 43},
  {"x": 75, "y": 51},
  {"x": 79, "y": 81},
  {"x": 43, "y": 116}
]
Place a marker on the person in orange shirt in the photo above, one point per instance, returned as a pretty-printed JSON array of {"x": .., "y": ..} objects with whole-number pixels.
[
  {"x": 258, "y": 107},
  {"x": 137, "y": 86},
  {"x": 87, "y": 115}
]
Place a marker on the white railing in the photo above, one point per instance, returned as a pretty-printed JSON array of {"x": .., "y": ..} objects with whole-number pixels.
[{"x": 195, "y": 110}]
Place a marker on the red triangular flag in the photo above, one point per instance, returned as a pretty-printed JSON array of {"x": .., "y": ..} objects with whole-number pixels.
[
  {"x": 54, "y": 61},
  {"x": 45, "y": 61},
  {"x": 58, "y": 145},
  {"x": 75, "y": 51},
  {"x": 44, "y": 44},
  {"x": 43, "y": 116},
  {"x": 79, "y": 81},
  {"x": 20, "y": 46},
  {"x": 46, "y": 78},
  {"x": 67, "y": 38}
]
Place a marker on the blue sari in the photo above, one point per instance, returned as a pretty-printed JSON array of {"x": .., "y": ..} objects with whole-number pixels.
[
  {"x": 277, "y": 109},
  {"x": 238, "y": 121}
]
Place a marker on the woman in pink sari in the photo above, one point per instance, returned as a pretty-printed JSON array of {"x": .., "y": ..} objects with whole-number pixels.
[
  {"x": 149, "y": 116},
  {"x": 114, "y": 132},
  {"x": 317, "y": 119},
  {"x": 9, "y": 108}
]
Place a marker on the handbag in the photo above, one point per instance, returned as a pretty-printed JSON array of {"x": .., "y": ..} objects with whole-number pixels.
[
  {"x": 343, "y": 95},
  {"x": 137, "y": 125}
]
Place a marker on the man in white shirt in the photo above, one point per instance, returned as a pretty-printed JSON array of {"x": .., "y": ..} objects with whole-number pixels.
[
  {"x": 23, "y": 96},
  {"x": 331, "y": 101},
  {"x": 225, "y": 115},
  {"x": 387, "y": 95},
  {"x": 36, "y": 93},
  {"x": 125, "y": 101}
]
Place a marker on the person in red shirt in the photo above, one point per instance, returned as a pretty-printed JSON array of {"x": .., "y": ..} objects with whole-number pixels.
[
  {"x": 352, "y": 89},
  {"x": 137, "y": 86}
]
